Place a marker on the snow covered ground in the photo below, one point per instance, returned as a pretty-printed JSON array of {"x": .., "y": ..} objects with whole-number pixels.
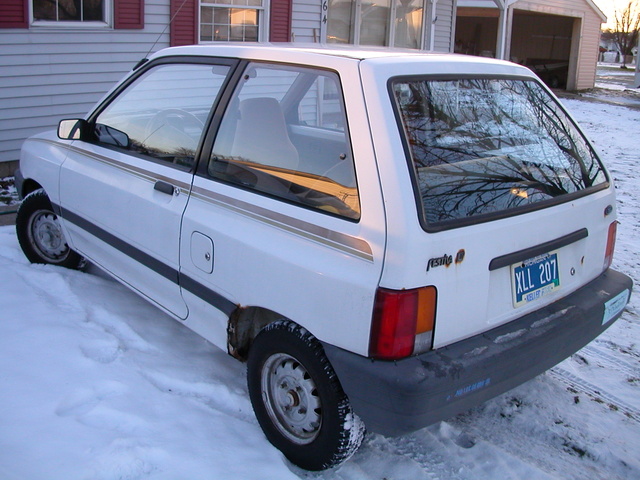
[
  {"x": 611, "y": 77},
  {"x": 96, "y": 384}
]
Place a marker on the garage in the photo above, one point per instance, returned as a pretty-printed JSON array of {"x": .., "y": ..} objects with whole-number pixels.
[{"x": 558, "y": 40}]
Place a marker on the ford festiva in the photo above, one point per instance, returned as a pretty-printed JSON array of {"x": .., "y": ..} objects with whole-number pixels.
[{"x": 386, "y": 238}]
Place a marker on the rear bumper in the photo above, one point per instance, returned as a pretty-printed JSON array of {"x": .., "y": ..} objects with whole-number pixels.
[{"x": 394, "y": 398}]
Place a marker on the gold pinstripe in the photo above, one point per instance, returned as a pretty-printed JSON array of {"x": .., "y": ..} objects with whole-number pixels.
[{"x": 346, "y": 243}]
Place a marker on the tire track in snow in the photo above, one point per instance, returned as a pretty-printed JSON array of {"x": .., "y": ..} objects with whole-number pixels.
[
  {"x": 595, "y": 392},
  {"x": 616, "y": 363}
]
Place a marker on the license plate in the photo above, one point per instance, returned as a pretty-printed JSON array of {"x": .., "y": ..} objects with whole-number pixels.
[{"x": 534, "y": 278}]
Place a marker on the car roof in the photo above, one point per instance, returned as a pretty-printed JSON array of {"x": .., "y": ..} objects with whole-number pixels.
[
  {"x": 317, "y": 54},
  {"x": 249, "y": 49}
]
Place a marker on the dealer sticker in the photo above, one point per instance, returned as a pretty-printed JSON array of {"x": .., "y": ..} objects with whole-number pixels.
[{"x": 614, "y": 306}]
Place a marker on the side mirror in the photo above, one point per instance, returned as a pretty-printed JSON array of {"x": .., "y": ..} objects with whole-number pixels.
[
  {"x": 111, "y": 136},
  {"x": 71, "y": 129}
]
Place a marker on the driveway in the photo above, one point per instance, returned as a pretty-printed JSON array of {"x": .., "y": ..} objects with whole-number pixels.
[
  {"x": 7, "y": 215},
  {"x": 611, "y": 76}
]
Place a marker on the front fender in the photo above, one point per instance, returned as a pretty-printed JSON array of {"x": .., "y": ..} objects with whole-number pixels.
[{"x": 40, "y": 160}]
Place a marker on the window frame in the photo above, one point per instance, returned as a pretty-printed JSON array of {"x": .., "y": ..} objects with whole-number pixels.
[
  {"x": 263, "y": 16},
  {"x": 390, "y": 37},
  {"x": 206, "y": 131},
  {"x": 107, "y": 11},
  {"x": 223, "y": 104},
  {"x": 503, "y": 214}
]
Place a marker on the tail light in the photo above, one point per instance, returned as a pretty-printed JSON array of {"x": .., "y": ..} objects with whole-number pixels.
[
  {"x": 611, "y": 245},
  {"x": 402, "y": 323}
]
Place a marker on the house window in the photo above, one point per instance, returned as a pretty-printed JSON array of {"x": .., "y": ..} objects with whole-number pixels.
[
  {"x": 69, "y": 10},
  {"x": 374, "y": 23},
  {"x": 408, "y": 23},
  {"x": 231, "y": 20},
  {"x": 393, "y": 23}
]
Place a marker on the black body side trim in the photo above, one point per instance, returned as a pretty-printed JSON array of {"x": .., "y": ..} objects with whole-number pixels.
[
  {"x": 208, "y": 295},
  {"x": 119, "y": 244},
  {"x": 515, "y": 257},
  {"x": 199, "y": 290}
]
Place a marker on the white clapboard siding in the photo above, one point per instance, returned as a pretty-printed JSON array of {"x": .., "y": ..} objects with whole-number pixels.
[
  {"x": 47, "y": 74},
  {"x": 306, "y": 17},
  {"x": 445, "y": 14}
]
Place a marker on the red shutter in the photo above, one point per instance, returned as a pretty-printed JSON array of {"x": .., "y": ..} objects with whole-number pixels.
[
  {"x": 14, "y": 14},
  {"x": 183, "y": 26},
  {"x": 280, "y": 24},
  {"x": 128, "y": 14}
]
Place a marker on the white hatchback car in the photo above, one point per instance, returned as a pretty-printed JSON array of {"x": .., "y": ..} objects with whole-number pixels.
[{"x": 382, "y": 235}]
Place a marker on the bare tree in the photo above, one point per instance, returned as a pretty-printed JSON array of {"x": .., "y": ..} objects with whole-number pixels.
[{"x": 626, "y": 30}]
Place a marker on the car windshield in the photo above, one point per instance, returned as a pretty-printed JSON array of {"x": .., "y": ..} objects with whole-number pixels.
[{"x": 486, "y": 146}]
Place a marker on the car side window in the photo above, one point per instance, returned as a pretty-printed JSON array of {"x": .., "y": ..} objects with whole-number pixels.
[
  {"x": 284, "y": 134},
  {"x": 162, "y": 114}
]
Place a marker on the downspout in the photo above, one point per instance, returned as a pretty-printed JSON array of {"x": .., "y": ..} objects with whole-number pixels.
[
  {"x": 432, "y": 26},
  {"x": 504, "y": 27},
  {"x": 636, "y": 82}
]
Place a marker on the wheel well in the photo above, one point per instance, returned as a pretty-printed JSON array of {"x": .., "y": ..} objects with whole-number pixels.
[
  {"x": 244, "y": 324},
  {"x": 29, "y": 186}
]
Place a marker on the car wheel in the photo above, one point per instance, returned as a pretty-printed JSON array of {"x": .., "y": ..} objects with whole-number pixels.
[
  {"x": 40, "y": 234},
  {"x": 298, "y": 399}
]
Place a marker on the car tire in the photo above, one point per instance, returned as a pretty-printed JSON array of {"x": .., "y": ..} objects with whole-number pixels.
[
  {"x": 298, "y": 399},
  {"x": 40, "y": 234}
]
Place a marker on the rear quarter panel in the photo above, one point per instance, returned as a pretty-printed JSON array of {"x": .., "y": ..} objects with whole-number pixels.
[{"x": 315, "y": 269}]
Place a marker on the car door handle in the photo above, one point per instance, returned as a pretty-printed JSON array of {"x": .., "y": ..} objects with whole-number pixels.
[{"x": 164, "y": 187}]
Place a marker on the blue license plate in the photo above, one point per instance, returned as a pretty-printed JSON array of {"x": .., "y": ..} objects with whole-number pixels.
[{"x": 534, "y": 278}]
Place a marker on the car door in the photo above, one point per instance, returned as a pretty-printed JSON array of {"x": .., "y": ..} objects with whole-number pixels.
[
  {"x": 124, "y": 192},
  {"x": 275, "y": 220}
]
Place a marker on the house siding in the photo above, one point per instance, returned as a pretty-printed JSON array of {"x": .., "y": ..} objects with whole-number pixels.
[
  {"x": 589, "y": 49},
  {"x": 445, "y": 13},
  {"x": 306, "y": 18},
  {"x": 47, "y": 74}
]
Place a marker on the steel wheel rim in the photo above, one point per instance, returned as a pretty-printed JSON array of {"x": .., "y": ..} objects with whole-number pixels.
[
  {"x": 45, "y": 234},
  {"x": 291, "y": 399}
]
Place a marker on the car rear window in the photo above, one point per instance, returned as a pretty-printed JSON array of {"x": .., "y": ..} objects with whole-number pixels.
[{"x": 481, "y": 147}]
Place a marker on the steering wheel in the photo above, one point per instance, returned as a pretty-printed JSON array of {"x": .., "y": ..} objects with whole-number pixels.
[{"x": 165, "y": 118}]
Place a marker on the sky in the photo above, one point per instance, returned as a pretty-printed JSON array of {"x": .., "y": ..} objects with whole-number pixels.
[{"x": 608, "y": 7}]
